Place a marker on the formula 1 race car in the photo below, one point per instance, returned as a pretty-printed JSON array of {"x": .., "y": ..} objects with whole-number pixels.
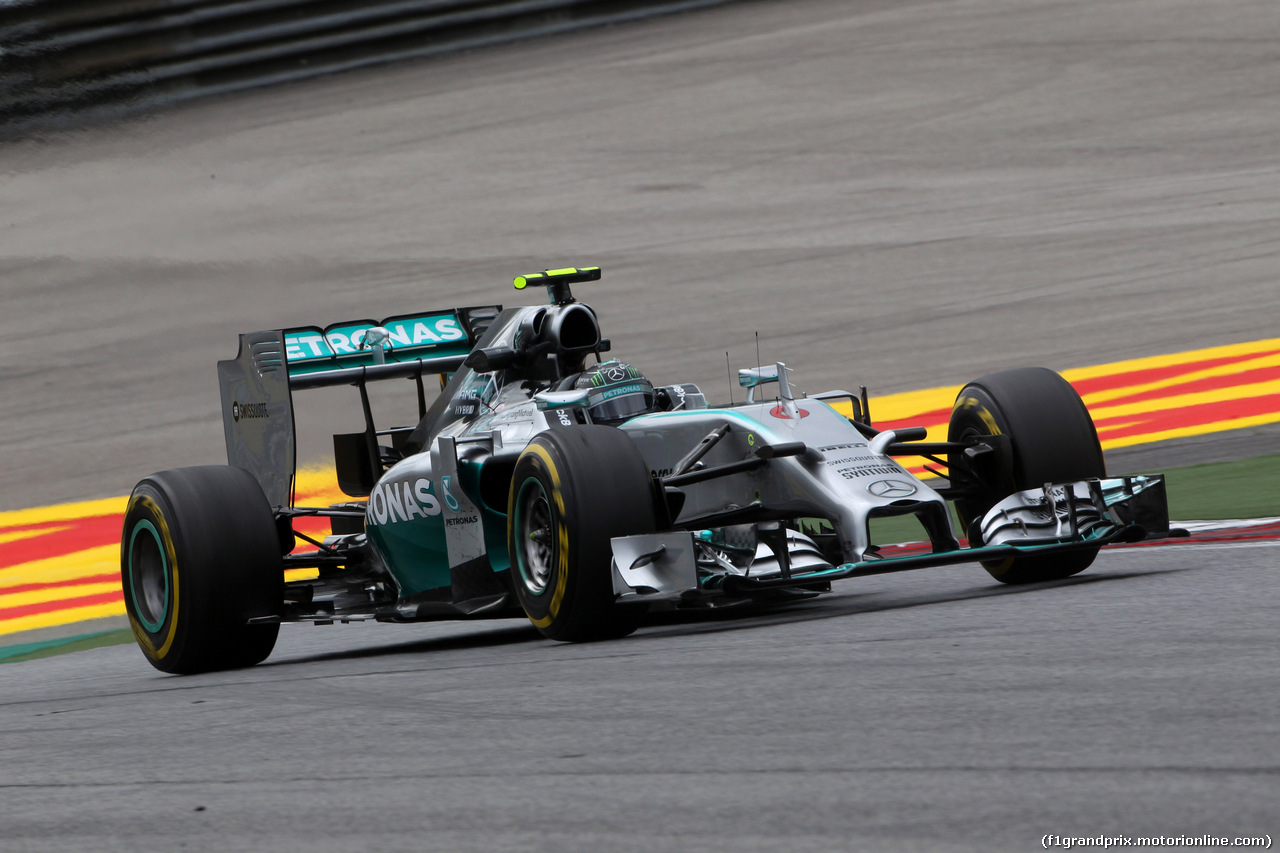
[{"x": 581, "y": 496}]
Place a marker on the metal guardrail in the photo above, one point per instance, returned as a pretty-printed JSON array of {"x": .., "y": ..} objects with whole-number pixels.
[{"x": 63, "y": 62}]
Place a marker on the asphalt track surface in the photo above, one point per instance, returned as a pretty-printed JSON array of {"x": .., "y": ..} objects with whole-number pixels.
[
  {"x": 933, "y": 711},
  {"x": 899, "y": 194}
]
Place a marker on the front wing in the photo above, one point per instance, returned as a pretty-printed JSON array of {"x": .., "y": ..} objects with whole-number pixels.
[{"x": 1055, "y": 518}]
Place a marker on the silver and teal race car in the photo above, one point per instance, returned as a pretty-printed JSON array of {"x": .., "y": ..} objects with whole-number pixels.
[{"x": 546, "y": 480}]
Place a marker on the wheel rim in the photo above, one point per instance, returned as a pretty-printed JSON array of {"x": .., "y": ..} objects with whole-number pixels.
[
  {"x": 535, "y": 548},
  {"x": 148, "y": 576}
]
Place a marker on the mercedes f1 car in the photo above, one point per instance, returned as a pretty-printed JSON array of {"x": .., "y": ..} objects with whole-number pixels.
[{"x": 546, "y": 481}]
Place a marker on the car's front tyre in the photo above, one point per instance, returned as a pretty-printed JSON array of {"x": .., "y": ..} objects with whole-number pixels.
[
  {"x": 1052, "y": 440},
  {"x": 572, "y": 491}
]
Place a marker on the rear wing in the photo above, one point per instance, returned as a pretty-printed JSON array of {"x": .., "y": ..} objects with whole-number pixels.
[
  {"x": 405, "y": 338},
  {"x": 257, "y": 385}
]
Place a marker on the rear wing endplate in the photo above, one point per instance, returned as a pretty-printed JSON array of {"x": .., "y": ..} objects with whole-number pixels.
[{"x": 257, "y": 414}]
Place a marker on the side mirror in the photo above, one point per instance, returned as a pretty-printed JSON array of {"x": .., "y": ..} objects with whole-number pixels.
[
  {"x": 576, "y": 399},
  {"x": 753, "y": 378}
]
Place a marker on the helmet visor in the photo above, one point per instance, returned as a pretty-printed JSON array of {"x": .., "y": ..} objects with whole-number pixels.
[{"x": 621, "y": 401}]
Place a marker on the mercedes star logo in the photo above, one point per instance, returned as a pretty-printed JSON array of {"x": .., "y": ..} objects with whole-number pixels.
[{"x": 891, "y": 489}]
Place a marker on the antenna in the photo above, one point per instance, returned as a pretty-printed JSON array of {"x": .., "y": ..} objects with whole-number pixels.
[
  {"x": 759, "y": 363},
  {"x": 729, "y": 369}
]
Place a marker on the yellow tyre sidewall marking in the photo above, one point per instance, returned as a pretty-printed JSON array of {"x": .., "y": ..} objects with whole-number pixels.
[
  {"x": 562, "y": 537},
  {"x": 139, "y": 632},
  {"x": 984, "y": 415},
  {"x": 989, "y": 421}
]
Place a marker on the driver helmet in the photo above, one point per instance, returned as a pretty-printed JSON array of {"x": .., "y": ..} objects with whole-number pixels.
[{"x": 617, "y": 391}]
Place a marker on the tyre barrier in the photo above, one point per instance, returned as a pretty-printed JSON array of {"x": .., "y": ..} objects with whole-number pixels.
[{"x": 65, "y": 62}]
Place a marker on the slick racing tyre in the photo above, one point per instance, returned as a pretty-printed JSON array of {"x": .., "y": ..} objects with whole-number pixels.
[
  {"x": 199, "y": 557},
  {"x": 1051, "y": 439},
  {"x": 573, "y": 490}
]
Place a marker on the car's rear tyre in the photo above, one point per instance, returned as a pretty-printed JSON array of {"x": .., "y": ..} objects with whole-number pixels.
[
  {"x": 572, "y": 491},
  {"x": 1052, "y": 439},
  {"x": 199, "y": 557}
]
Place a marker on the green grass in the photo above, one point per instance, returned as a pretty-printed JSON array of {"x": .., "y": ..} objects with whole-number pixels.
[
  {"x": 1249, "y": 488},
  {"x": 49, "y": 648}
]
